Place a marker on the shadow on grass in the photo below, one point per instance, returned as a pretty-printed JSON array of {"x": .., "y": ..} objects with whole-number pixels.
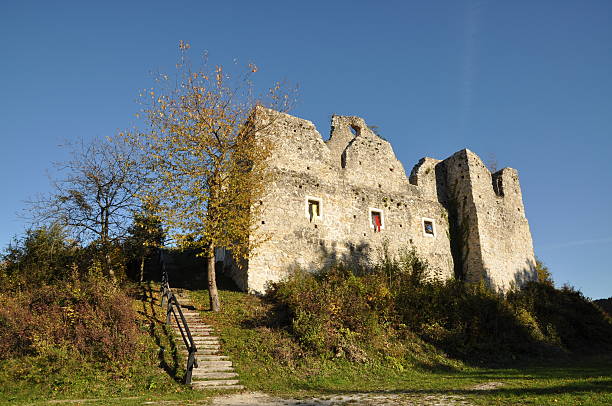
[
  {"x": 597, "y": 386},
  {"x": 160, "y": 332}
]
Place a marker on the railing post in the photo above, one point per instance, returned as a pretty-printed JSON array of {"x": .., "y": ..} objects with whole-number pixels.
[
  {"x": 169, "y": 310},
  {"x": 190, "y": 364}
]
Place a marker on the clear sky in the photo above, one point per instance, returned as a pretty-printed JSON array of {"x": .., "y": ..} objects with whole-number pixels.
[{"x": 528, "y": 82}]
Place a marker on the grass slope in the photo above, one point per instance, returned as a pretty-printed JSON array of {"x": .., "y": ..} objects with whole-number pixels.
[
  {"x": 155, "y": 375},
  {"x": 267, "y": 359}
]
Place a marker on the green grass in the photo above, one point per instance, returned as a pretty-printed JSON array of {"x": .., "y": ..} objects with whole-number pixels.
[{"x": 268, "y": 360}]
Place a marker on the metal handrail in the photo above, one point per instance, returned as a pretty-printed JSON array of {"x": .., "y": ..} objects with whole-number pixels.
[{"x": 172, "y": 303}]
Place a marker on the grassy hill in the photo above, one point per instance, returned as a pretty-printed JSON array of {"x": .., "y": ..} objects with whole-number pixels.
[
  {"x": 269, "y": 358},
  {"x": 381, "y": 330}
]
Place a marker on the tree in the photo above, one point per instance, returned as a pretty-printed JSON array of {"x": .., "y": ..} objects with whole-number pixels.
[
  {"x": 544, "y": 275},
  {"x": 41, "y": 256},
  {"x": 96, "y": 194},
  {"x": 209, "y": 165},
  {"x": 145, "y": 235}
]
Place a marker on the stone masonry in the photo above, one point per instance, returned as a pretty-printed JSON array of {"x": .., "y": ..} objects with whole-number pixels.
[{"x": 345, "y": 198}]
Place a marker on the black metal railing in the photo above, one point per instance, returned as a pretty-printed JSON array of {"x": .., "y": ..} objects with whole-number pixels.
[{"x": 173, "y": 309}]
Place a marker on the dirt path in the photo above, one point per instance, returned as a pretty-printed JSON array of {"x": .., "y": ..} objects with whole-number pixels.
[{"x": 258, "y": 398}]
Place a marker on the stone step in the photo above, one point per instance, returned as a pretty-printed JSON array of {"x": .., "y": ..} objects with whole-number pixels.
[
  {"x": 213, "y": 369},
  {"x": 201, "y": 351},
  {"x": 194, "y": 332},
  {"x": 213, "y": 375},
  {"x": 198, "y": 338},
  {"x": 208, "y": 346},
  {"x": 213, "y": 364},
  {"x": 208, "y": 357},
  {"x": 204, "y": 350},
  {"x": 217, "y": 382},
  {"x": 194, "y": 327},
  {"x": 198, "y": 385},
  {"x": 212, "y": 357},
  {"x": 202, "y": 334},
  {"x": 191, "y": 320},
  {"x": 207, "y": 352}
]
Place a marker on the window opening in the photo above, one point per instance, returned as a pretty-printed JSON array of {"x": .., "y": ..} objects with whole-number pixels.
[
  {"x": 429, "y": 227},
  {"x": 376, "y": 220},
  {"x": 313, "y": 208}
]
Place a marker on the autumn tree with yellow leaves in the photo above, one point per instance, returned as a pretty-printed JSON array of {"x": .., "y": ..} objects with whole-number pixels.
[{"x": 208, "y": 163}]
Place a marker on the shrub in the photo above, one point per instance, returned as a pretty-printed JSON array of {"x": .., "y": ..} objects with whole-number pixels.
[
  {"x": 42, "y": 256},
  {"x": 565, "y": 317},
  {"x": 92, "y": 318},
  {"x": 342, "y": 312},
  {"x": 331, "y": 310}
]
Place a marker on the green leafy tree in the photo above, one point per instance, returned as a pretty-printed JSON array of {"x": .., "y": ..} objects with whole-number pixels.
[{"x": 41, "y": 256}]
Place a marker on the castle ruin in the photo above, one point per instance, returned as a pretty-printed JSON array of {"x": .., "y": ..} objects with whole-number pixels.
[{"x": 345, "y": 198}]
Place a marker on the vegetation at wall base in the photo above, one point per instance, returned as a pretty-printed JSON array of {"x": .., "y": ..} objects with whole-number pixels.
[{"x": 346, "y": 312}]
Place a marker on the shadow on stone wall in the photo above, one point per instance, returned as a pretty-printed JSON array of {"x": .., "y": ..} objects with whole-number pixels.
[
  {"x": 355, "y": 256},
  {"x": 187, "y": 270},
  {"x": 527, "y": 274}
]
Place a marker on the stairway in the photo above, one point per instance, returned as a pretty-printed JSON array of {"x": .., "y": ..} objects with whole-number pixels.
[{"x": 214, "y": 371}]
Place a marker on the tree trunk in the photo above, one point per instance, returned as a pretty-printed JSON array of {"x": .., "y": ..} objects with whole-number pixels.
[
  {"x": 142, "y": 264},
  {"x": 215, "y": 304},
  {"x": 107, "y": 266}
]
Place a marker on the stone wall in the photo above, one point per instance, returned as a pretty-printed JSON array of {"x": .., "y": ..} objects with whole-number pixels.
[
  {"x": 494, "y": 236},
  {"x": 356, "y": 172}
]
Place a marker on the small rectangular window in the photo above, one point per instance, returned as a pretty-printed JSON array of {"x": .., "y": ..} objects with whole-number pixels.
[
  {"x": 313, "y": 208},
  {"x": 429, "y": 227},
  {"x": 377, "y": 220}
]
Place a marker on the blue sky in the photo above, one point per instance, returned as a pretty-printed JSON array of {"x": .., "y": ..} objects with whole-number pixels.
[{"x": 527, "y": 82}]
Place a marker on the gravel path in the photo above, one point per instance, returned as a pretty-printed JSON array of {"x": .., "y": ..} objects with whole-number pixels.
[{"x": 258, "y": 398}]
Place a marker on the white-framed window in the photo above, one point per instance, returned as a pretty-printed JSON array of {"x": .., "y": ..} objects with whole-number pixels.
[
  {"x": 429, "y": 227},
  {"x": 377, "y": 219},
  {"x": 314, "y": 208}
]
